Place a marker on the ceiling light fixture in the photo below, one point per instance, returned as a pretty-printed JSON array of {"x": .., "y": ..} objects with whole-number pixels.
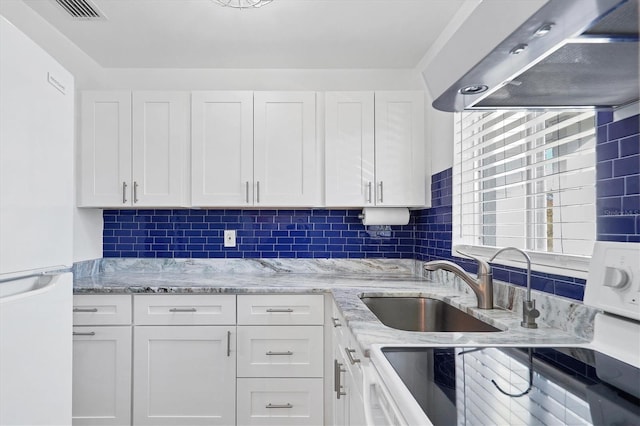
[{"x": 243, "y": 4}]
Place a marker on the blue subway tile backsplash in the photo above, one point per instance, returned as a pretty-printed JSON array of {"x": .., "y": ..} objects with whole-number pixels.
[
  {"x": 338, "y": 233},
  {"x": 260, "y": 234}
]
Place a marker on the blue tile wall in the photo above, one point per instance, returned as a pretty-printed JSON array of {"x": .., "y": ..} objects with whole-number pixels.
[
  {"x": 260, "y": 234},
  {"x": 618, "y": 178}
]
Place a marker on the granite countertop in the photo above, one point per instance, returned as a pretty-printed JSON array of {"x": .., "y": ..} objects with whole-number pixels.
[{"x": 345, "y": 289}]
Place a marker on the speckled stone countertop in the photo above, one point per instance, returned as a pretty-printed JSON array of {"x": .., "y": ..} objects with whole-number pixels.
[{"x": 561, "y": 323}]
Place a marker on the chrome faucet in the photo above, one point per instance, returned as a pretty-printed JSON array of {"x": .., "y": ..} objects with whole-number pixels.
[
  {"x": 482, "y": 287},
  {"x": 529, "y": 311}
]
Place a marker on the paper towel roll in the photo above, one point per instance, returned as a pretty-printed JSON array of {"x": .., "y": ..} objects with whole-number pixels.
[{"x": 385, "y": 216}]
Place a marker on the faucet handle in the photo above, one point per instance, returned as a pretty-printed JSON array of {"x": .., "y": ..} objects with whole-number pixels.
[{"x": 483, "y": 267}]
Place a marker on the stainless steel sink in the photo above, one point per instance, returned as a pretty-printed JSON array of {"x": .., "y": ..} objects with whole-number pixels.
[{"x": 423, "y": 314}]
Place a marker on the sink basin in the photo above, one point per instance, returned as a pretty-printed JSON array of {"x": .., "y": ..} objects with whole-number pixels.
[{"x": 423, "y": 314}]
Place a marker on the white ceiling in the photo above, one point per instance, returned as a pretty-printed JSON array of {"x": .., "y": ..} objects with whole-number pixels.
[{"x": 283, "y": 34}]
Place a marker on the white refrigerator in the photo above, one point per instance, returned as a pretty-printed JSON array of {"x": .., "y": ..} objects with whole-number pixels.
[{"x": 36, "y": 228}]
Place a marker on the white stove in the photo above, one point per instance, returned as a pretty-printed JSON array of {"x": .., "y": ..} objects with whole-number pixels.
[{"x": 613, "y": 286}]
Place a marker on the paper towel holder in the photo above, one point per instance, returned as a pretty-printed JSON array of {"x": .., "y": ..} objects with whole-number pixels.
[{"x": 384, "y": 216}]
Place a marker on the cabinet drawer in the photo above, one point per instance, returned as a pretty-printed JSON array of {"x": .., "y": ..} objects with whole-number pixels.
[
  {"x": 280, "y": 402},
  {"x": 184, "y": 310},
  {"x": 280, "y": 309},
  {"x": 280, "y": 351},
  {"x": 91, "y": 309}
]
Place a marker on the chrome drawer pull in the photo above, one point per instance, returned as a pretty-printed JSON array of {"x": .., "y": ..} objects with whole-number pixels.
[
  {"x": 280, "y": 353},
  {"x": 279, "y": 310},
  {"x": 124, "y": 192},
  {"x": 228, "y": 343},
  {"x": 86, "y": 333},
  {"x": 351, "y": 358},
  {"x": 337, "y": 386},
  {"x": 85, "y": 309},
  {"x": 183, "y": 310},
  {"x": 135, "y": 192},
  {"x": 336, "y": 322},
  {"x": 287, "y": 405}
]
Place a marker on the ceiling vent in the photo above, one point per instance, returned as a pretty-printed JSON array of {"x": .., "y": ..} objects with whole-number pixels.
[{"x": 81, "y": 9}]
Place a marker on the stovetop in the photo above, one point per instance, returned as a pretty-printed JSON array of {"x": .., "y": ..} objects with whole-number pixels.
[{"x": 515, "y": 385}]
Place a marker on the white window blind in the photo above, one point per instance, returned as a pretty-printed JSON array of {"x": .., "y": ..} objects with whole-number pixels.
[{"x": 526, "y": 179}]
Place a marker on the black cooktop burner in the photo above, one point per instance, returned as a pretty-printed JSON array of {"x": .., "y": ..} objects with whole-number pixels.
[{"x": 509, "y": 385}]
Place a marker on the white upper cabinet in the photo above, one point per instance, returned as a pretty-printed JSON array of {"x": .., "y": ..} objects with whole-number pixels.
[
  {"x": 375, "y": 149},
  {"x": 349, "y": 142},
  {"x": 133, "y": 149},
  {"x": 160, "y": 143},
  {"x": 400, "y": 172},
  {"x": 254, "y": 149},
  {"x": 105, "y": 148},
  {"x": 222, "y": 149},
  {"x": 285, "y": 149}
]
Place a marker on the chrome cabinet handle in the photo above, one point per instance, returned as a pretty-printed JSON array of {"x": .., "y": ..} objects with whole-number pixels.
[
  {"x": 246, "y": 190},
  {"x": 135, "y": 192},
  {"x": 337, "y": 386},
  {"x": 279, "y": 353},
  {"x": 183, "y": 310},
  {"x": 85, "y": 309},
  {"x": 258, "y": 191},
  {"x": 369, "y": 192},
  {"x": 336, "y": 322},
  {"x": 124, "y": 192},
  {"x": 228, "y": 343},
  {"x": 84, "y": 333},
  {"x": 350, "y": 351},
  {"x": 271, "y": 310},
  {"x": 381, "y": 188},
  {"x": 270, "y": 405}
]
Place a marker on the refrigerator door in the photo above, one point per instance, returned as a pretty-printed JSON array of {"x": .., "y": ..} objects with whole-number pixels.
[
  {"x": 36, "y": 157},
  {"x": 36, "y": 350}
]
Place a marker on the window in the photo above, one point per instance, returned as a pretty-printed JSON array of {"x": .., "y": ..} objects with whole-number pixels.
[{"x": 526, "y": 179}]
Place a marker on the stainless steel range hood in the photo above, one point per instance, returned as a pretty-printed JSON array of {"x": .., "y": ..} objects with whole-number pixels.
[{"x": 570, "y": 53}]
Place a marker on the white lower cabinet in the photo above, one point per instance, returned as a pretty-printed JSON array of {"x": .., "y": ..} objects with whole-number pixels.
[
  {"x": 101, "y": 360},
  {"x": 348, "y": 403},
  {"x": 280, "y": 367},
  {"x": 280, "y": 351},
  {"x": 171, "y": 360},
  {"x": 101, "y": 375},
  {"x": 280, "y": 401},
  {"x": 183, "y": 375}
]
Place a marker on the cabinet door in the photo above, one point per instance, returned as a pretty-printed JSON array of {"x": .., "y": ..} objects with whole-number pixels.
[
  {"x": 105, "y": 149},
  {"x": 399, "y": 148},
  {"x": 285, "y": 149},
  {"x": 222, "y": 149},
  {"x": 160, "y": 143},
  {"x": 184, "y": 375},
  {"x": 349, "y": 142},
  {"x": 101, "y": 375}
]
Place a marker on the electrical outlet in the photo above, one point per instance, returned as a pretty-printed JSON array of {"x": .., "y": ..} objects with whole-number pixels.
[{"x": 230, "y": 238}]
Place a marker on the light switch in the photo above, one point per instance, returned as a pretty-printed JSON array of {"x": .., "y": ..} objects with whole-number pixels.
[{"x": 230, "y": 238}]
